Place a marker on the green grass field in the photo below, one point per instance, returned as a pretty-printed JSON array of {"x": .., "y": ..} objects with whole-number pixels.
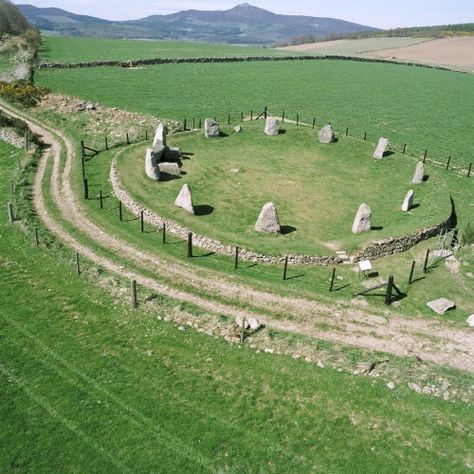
[
  {"x": 88, "y": 382},
  {"x": 73, "y": 50},
  {"x": 307, "y": 181},
  {"x": 426, "y": 109}
]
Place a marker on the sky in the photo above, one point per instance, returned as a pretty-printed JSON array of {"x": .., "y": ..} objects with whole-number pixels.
[{"x": 378, "y": 13}]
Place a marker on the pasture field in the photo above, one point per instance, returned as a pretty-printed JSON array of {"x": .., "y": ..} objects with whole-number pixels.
[
  {"x": 353, "y": 47},
  {"x": 428, "y": 109},
  {"x": 316, "y": 189},
  {"x": 58, "y": 49},
  {"x": 74, "y": 358}
]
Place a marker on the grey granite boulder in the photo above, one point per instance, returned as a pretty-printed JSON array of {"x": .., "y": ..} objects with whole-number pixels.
[
  {"x": 160, "y": 137},
  {"x": 171, "y": 169},
  {"x": 363, "y": 219},
  {"x": 408, "y": 202},
  {"x": 268, "y": 220},
  {"x": 185, "y": 199},
  {"x": 381, "y": 148},
  {"x": 441, "y": 305},
  {"x": 272, "y": 126},
  {"x": 151, "y": 165},
  {"x": 211, "y": 128},
  {"x": 419, "y": 175},
  {"x": 326, "y": 134}
]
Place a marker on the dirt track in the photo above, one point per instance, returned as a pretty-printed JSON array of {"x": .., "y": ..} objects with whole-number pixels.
[{"x": 430, "y": 340}]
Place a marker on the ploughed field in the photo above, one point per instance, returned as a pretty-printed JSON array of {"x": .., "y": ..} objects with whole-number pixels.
[
  {"x": 427, "y": 109},
  {"x": 316, "y": 188}
]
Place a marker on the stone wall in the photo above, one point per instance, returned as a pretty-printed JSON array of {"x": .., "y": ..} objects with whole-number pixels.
[
  {"x": 374, "y": 250},
  {"x": 151, "y": 61},
  {"x": 12, "y": 138}
]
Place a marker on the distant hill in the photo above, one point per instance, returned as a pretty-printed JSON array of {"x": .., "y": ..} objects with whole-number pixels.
[{"x": 243, "y": 24}]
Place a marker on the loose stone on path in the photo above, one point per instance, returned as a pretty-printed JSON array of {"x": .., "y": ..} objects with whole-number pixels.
[
  {"x": 381, "y": 148},
  {"x": 326, "y": 134},
  {"x": 184, "y": 199},
  {"x": 419, "y": 175},
  {"x": 272, "y": 126},
  {"x": 268, "y": 220},
  {"x": 441, "y": 305},
  {"x": 211, "y": 128},
  {"x": 171, "y": 169},
  {"x": 408, "y": 202},
  {"x": 363, "y": 219}
]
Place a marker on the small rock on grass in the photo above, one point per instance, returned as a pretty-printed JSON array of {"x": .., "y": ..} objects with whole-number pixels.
[
  {"x": 441, "y": 305},
  {"x": 391, "y": 385},
  {"x": 470, "y": 321}
]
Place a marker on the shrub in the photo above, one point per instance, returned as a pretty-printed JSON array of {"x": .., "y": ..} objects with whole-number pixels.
[{"x": 26, "y": 94}]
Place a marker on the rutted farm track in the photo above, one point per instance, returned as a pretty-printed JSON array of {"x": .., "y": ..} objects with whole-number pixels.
[{"x": 431, "y": 340}]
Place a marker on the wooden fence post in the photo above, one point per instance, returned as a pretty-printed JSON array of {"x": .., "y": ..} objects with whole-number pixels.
[
  {"x": 314, "y": 122},
  {"x": 200, "y": 124},
  {"x": 412, "y": 271},
  {"x": 388, "y": 295},
  {"x": 106, "y": 144},
  {"x": 332, "y": 279},
  {"x": 347, "y": 131},
  {"x": 164, "y": 232},
  {"x": 37, "y": 242},
  {"x": 404, "y": 148},
  {"x": 297, "y": 119},
  {"x": 236, "y": 259},
  {"x": 142, "y": 222},
  {"x": 190, "y": 244},
  {"x": 11, "y": 216},
  {"x": 134, "y": 294},
  {"x": 425, "y": 155},
  {"x": 365, "y": 136},
  {"x": 184, "y": 124},
  {"x": 425, "y": 264},
  {"x": 448, "y": 163},
  {"x": 283, "y": 117},
  {"x": 101, "y": 199},
  {"x": 83, "y": 160},
  {"x": 242, "y": 331},
  {"x": 251, "y": 115},
  {"x": 146, "y": 133},
  {"x": 285, "y": 268},
  {"x": 228, "y": 119},
  {"x": 120, "y": 211},
  {"x": 78, "y": 264},
  {"x": 194, "y": 123},
  {"x": 469, "y": 170},
  {"x": 128, "y": 139},
  {"x": 241, "y": 116},
  {"x": 86, "y": 188}
]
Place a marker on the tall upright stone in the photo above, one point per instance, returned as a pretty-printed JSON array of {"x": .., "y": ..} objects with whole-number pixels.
[
  {"x": 408, "y": 202},
  {"x": 151, "y": 165},
  {"x": 211, "y": 128},
  {"x": 419, "y": 175},
  {"x": 268, "y": 220},
  {"x": 326, "y": 134},
  {"x": 381, "y": 148},
  {"x": 272, "y": 127},
  {"x": 363, "y": 219},
  {"x": 160, "y": 137},
  {"x": 185, "y": 199}
]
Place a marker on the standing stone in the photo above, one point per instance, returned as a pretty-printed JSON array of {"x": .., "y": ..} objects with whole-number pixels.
[
  {"x": 237, "y": 129},
  {"x": 171, "y": 169},
  {"x": 151, "y": 165},
  {"x": 470, "y": 321},
  {"x": 268, "y": 220},
  {"x": 185, "y": 199},
  {"x": 326, "y": 135},
  {"x": 272, "y": 126},
  {"x": 211, "y": 128},
  {"x": 408, "y": 202},
  {"x": 363, "y": 219},
  {"x": 381, "y": 148},
  {"x": 419, "y": 173},
  {"x": 160, "y": 137}
]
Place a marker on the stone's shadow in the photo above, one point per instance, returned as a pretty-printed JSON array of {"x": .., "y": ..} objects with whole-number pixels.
[
  {"x": 287, "y": 229},
  {"x": 388, "y": 153},
  {"x": 168, "y": 177},
  {"x": 187, "y": 153},
  {"x": 203, "y": 210},
  {"x": 376, "y": 227},
  {"x": 223, "y": 134},
  {"x": 373, "y": 275},
  {"x": 414, "y": 206},
  {"x": 335, "y": 140},
  {"x": 282, "y": 131},
  {"x": 426, "y": 177}
]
